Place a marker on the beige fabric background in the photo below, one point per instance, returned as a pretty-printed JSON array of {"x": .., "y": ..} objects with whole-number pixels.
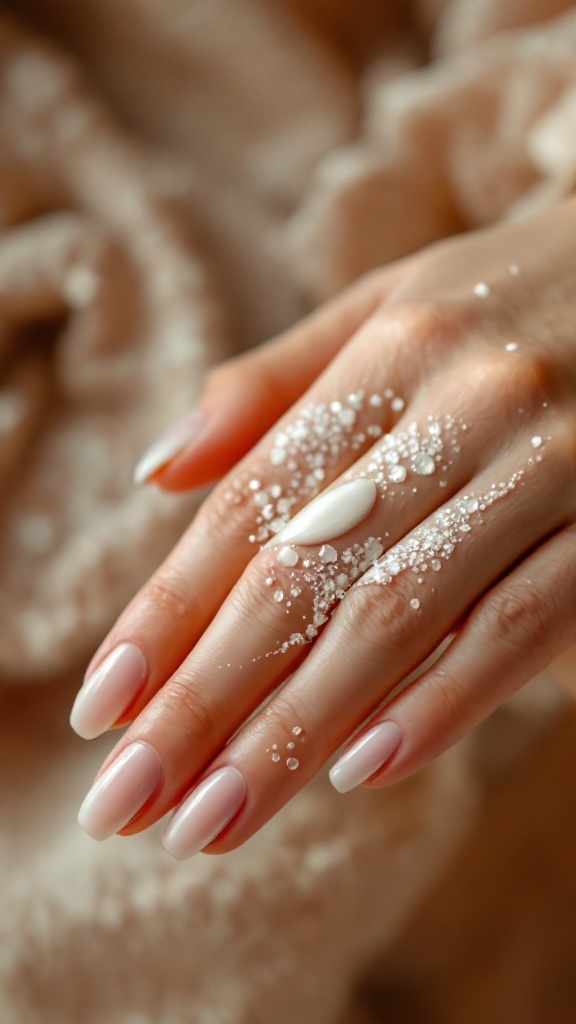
[{"x": 178, "y": 181}]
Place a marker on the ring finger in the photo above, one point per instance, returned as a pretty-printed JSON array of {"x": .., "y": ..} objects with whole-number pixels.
[{"x": 353, "y": 667}]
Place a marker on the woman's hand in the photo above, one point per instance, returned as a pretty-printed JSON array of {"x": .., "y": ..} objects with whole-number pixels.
[{"x": 439, "y": 426}]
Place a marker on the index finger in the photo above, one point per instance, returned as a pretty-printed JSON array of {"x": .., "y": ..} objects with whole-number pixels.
[{"x": 168, "y": 616}]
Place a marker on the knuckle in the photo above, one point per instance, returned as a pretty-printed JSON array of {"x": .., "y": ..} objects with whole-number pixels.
[
  {"x": 165, "y": 592},
  {"x": 254, "y": 599},
  {"x": 251, "y": 597},
  {"x": 515, "y": 615},
  {"x": 278, "y": 721},
  {"x": 191, "y": 710},
  {"x": 454, "y": 699},
  {"x": 228, "y": 513},
  {"x": 530, "y": 378},
  {"x": 379, "y": 615},
  {"x": 432, "y": 328}
]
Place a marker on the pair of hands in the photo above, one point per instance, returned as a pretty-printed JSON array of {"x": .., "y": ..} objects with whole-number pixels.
[{"x": 434, "y": 406}]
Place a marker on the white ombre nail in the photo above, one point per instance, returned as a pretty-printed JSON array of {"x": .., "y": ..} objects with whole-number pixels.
[
  {"x": 170, "y": 444},
  {"x": 121, "y": 791},
  {"x": 109, "y": 691},
  {"x": 330, "y": 514},
  {"x": 203, "y": 815},
  {"x": 366, "y": 756}
]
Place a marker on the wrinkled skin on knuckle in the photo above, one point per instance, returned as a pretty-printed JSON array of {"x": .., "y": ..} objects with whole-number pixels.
[
  {"x": 228, "y": 512},
  {"x": 516, "y": 617},
  {"x": 379, "y": 619},
  {"x": 271, "y": 622},
  {"x": 455, "y": 700},
  {"x": 429, "y": 331},
  {"x": 185, "y": 705},
  {"x": 167, "y": 593},
  {"x": 531, "y": 377},
  {"x": 275, "y": 724}
]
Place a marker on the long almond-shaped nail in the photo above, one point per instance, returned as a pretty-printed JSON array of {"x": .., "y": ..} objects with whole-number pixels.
[
  {"x": 330, "y": 514},
  {"x": 366, "y": 756},
  {"x": 204, "y": 814},
  {"x": 121, "y": 791},
  {"x": 170, "y": 444},
  {"x": 109, "y": 691}
]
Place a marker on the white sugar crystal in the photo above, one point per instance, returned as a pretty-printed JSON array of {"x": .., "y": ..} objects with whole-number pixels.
[
  {"x": 424, "y": 464},
  {"x": 327, "y": 553},
  {"x": 288, "y": 556}
]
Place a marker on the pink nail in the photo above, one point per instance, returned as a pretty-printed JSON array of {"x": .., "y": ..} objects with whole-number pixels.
[
  {"x": 168, "y": 445},
  {"x": 121, "y": 791},
  {"x": 366, "y": 756},
  {"x": 203, "y": 815},
  {"x": 109, "y": 691}
]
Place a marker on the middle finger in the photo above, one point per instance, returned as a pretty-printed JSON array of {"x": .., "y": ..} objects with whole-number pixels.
[{"x": 276, "y": 606}]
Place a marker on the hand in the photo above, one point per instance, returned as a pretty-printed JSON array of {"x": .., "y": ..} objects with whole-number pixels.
[{"x": 440, "y": 427}]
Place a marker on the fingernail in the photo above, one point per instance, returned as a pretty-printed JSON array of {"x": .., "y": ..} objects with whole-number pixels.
[
  {"x": 121, "y": 791},
  {"x": 330, "y": 514},
  {"x": 367, "y": 755},
  {"x": 205, "y": 813},
  {"x": 109, "y": 691},
  {"x": 170, "y": 444}
]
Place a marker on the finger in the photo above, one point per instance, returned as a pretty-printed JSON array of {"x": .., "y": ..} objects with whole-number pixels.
[
  {"x": 518, "y": 628},
  {"x": 378, "y": 635},
  {"x": 245, "y": 395},
  {"x": 312, "y": 445},
  {"x": 354, "y": 665},
  {"x": 165, "y": 621}
]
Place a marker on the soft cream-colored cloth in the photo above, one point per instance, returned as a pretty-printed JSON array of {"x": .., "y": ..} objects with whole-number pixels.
[{"x": 177, "y": 182}]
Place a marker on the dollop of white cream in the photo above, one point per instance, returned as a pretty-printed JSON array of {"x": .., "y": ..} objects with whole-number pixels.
[{"x": 330, "y": 514}]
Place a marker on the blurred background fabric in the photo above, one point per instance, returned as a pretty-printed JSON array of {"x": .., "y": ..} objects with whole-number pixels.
[{"x": 178, "y": 181}]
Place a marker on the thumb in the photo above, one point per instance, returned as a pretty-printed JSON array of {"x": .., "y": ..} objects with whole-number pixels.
[{"x": 244, "y": 396}]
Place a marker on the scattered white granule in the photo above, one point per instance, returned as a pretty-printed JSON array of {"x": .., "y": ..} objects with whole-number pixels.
[
  {"x": 397, "y": 474},
  {"x": 433, "y": 542},
  {"x": 327, "y": 553},
  {"x": 481, "y": 289},
  {"x": 288, "y": 556},
  {"x": 424, "y": 464}
]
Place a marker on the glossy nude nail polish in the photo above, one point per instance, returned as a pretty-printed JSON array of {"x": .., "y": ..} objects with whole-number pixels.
[
  {"x": 203, "y": 815},
  {"x": 366, "y": 756},
  {"x": 170, "y": 444},
  {"x": 109, "y": 691},
  {"x": 121, "y": 791}
]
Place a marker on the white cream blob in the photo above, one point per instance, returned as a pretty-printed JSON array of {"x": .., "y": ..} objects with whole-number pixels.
[{"x": 330, "y": 514}]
